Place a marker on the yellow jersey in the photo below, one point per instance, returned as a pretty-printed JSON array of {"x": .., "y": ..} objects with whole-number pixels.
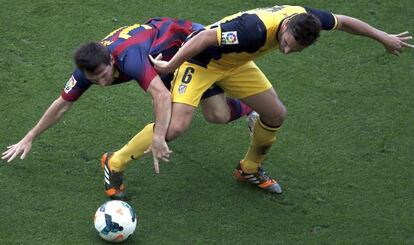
[{"x": 244, "y": 36}]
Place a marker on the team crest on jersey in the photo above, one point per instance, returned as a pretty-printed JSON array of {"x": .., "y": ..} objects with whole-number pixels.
[
  {"x": 229, "y": 38},
  {"x": 70, "y": 84},
  {"x": 182, "y": 88}
]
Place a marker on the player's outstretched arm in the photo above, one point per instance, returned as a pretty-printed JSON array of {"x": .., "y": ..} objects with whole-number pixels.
[
  {"x": 55, "y": 111},
  {"x": 194, "y": 46},
  {"x": 162, "y": 109},
  {"x": 394, "y": 43}
]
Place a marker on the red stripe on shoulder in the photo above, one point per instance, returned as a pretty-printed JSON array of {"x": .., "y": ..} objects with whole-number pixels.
[{"x": 142, "y": 37}]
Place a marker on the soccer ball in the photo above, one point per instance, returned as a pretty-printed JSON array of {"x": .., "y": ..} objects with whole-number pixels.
[{"x": 115, "y": 221}]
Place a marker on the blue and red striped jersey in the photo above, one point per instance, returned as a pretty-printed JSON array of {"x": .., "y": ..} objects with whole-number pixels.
[{"x": 130, "y": 47}]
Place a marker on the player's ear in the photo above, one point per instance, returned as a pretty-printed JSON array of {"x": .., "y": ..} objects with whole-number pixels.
[
  {"x": 112, "y": 60},
  {"x": 285, "y": 24}
]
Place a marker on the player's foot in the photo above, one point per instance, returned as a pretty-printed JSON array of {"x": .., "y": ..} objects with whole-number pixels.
[
  {"x": 251, "y": 120},
  {"x": 261, "y": 179},
  {"x": 114, "y": 187}
]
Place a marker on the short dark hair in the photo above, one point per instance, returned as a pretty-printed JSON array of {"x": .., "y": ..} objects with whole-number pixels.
[
  {"x": 305, "y": 28},
  {"x": 88, "y": 56}
]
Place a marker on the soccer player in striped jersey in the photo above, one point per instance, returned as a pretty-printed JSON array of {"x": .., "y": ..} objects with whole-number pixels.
[
  {"x": 223, "y": 54},
  {"x": 120, "y": 57}
]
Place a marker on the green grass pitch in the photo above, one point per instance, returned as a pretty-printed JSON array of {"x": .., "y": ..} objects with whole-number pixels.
[{"x": 344, "y": 157}]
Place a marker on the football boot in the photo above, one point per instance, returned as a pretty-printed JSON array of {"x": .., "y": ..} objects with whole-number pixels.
[
  {"x": 114, "y": 187},
  {"x": 261, "y": 179}
]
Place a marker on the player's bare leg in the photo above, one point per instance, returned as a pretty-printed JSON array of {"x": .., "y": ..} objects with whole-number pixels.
[
  {"x": 271, "y": 110},
  {"x": 272, "y": 114},
  {"x": 215, "y": 109},
  {"x": 222, "y": 110},
  {"x": 181, "y": 118}
]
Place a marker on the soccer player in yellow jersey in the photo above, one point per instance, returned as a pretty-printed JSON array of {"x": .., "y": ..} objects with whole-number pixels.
[{"x": 223, "y": 53}]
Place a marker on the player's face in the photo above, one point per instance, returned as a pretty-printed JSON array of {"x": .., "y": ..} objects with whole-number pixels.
[
  {"x": 103, "y": 75},
  {"x": 288, "y": 43}
]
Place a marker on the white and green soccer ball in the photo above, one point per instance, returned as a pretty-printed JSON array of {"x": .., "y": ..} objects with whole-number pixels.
[{"x": 115, "y": 221}]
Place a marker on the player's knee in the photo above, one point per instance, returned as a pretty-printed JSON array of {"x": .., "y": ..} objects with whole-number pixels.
[
  {"x": 276, "y": 116},
  {"x": 181, "y": 117},
  {"x": 216, "y": 116},
  {"x": 282, "y": 113},
  {"x": 176, "y": 129}
]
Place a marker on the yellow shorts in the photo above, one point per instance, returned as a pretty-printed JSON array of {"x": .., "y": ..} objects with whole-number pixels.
[{"x": 191, "y": 81}]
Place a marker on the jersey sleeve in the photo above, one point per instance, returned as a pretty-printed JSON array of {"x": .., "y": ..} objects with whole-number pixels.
[
  {"x": 246, "y": 33},
  {"x": 75, "y": 86},
  {"x": 136, "y": 65},
  {"x": 328, "y": 20}
]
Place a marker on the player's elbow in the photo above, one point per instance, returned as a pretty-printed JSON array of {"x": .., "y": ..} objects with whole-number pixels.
[
  {"x": 164, "y": 96},
  {"x": 158, "y": 90},
  {"x": 61, "y": 105},
  {"x": 161, "y": 95}
]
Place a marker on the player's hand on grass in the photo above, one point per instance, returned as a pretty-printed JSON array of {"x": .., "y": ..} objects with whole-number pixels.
[
  {"x": 160, "y": 151},
  {"x": 23, "y": 148},
  {"x": 162, "y": 67},
  {"x": 396, "y": 43}
]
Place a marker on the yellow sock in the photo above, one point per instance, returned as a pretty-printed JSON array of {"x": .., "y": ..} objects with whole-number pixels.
[
  {"x": 133, "y": 150},
  {"x": 262, "y": 139}
]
